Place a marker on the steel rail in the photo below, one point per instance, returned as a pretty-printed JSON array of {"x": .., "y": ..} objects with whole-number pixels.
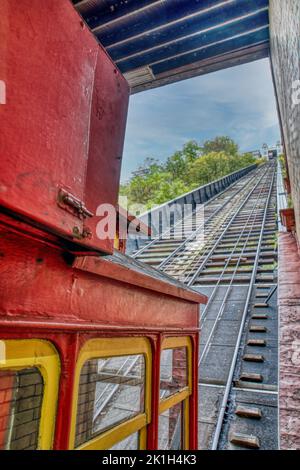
[
  {"x": 221, "y": 310},
  {"x": 224, "y": 221},
  {"x": 228, "y": 387},
  {"x": 216, "y": 244},
  {"x": 195, "y": 232},
  {"x": 106, "y": 388},
  {"x": 199, "y": 269},
  {"x": 172, "y": 255},
  {"x": 115, "y": 387},
  {"x": 160, "y": 236},
  {"x": 166, "y": 232}
]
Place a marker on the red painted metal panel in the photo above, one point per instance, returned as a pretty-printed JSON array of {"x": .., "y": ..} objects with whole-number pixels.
[
  {"x": 38, "y": 283},
  {"x": 113, "y": 270},
  {"x": 193, "y": 400},
  {"x": 47, "y": 61},
  {"x": 63, "y": 129},
  {"x": 6, "y": 397},
  {"x": 107, "y": 132},
  {"x": 152, "y": 434},
  {"x": 43, "y": 296},
  {"x": 56, "y": 132}
]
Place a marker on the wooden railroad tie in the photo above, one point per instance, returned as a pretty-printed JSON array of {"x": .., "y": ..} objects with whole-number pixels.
[
  {"x": 257, "y": 329},
  {"x": 244, "y": 440},
  {"x": 248, "y": 412},
  {"x": 253, "y": 358},
  {"x": 261, "y": 305},
  {"x": 264, "y": 286},
  {"x": 256, "y": 342},
  {"x": 250, "y": 377},
  {"x": 235, "y": 260},
  {"x": 260, "y": 316}
]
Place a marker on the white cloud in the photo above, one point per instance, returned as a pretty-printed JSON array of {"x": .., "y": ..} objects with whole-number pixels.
[{"x": 238, "y": 102}]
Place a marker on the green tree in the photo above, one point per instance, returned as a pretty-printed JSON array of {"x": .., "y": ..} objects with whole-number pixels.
[
  {"x": 176, "y": 164},
  {"x": 191, "y": 150},
  {"x": 220, "y": 144},
  {"x": 179, "y": 161},
  {"x": 208, "y": 168},
  {"x": 186, "y": 169}
]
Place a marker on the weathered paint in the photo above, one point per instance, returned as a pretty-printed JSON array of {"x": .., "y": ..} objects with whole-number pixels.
[
  {"x": 64, "y": 120},
  {"x": 6, "y": 395},
  {"x": 107, "y": 133},
  {"x": 68, "y": 294},
  {"x": 259, "y": 36},
  {"x": 43, "y": 296},
  {"x": 195, "y": 29},
  {"x": 180, "y": 15},
  {"x": 174, "y": 39},
  {"x": 139, "y": 57},
  {"x": 64, "y": 129}
]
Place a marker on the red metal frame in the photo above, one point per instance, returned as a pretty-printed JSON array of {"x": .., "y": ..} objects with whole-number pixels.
[
  {"x": 68, "y": 345},
  {"x": 63, "y": 129},
  {"x": 64, "y": 121},
  {"x": 6, "y": 395},
  {"x": 43, "y": 296},
  {"x": 288, "y": 218}
]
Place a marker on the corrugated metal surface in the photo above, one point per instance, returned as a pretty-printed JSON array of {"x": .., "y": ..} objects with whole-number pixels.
[{"x": 155, "y": 42}]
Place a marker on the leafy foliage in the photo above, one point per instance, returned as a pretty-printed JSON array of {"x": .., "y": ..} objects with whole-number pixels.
[
  {"x": 220, "y": 144},
  {"x": 186, "y": 169}
]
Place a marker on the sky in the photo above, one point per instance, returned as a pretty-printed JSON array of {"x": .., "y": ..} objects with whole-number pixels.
[{"x": 238, "y": 102}]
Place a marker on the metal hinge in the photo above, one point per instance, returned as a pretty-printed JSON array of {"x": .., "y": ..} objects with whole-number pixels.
[{"x": 73, "y": 205}]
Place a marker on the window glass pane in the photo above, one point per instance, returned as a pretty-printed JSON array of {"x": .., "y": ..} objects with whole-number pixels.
[
  {"x": 130, "y": 443},
  {"x": 170, "y": 435},
  {"x": 111, "y": 391},
  {"x": 173, "y": 371},
  {"x": 21, "y": 395}
]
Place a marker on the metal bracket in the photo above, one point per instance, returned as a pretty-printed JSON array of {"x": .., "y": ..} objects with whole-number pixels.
[{"x": 73, "y": 205}]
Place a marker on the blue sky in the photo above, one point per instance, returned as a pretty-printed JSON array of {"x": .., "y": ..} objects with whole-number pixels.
[{"x": 238, "y": 102}]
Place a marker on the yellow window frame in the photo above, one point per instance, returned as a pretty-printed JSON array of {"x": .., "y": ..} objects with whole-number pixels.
[
  {"x": 20, "y": 354},
  {"x": 113, "y": 347},
  {"x": 181, "y": 395}
]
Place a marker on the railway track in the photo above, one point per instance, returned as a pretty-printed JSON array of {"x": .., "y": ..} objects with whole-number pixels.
[{"x": 231, "y": 257}]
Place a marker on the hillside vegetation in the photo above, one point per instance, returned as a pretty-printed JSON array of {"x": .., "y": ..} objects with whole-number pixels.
[{"x": 193, "y": 166}]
